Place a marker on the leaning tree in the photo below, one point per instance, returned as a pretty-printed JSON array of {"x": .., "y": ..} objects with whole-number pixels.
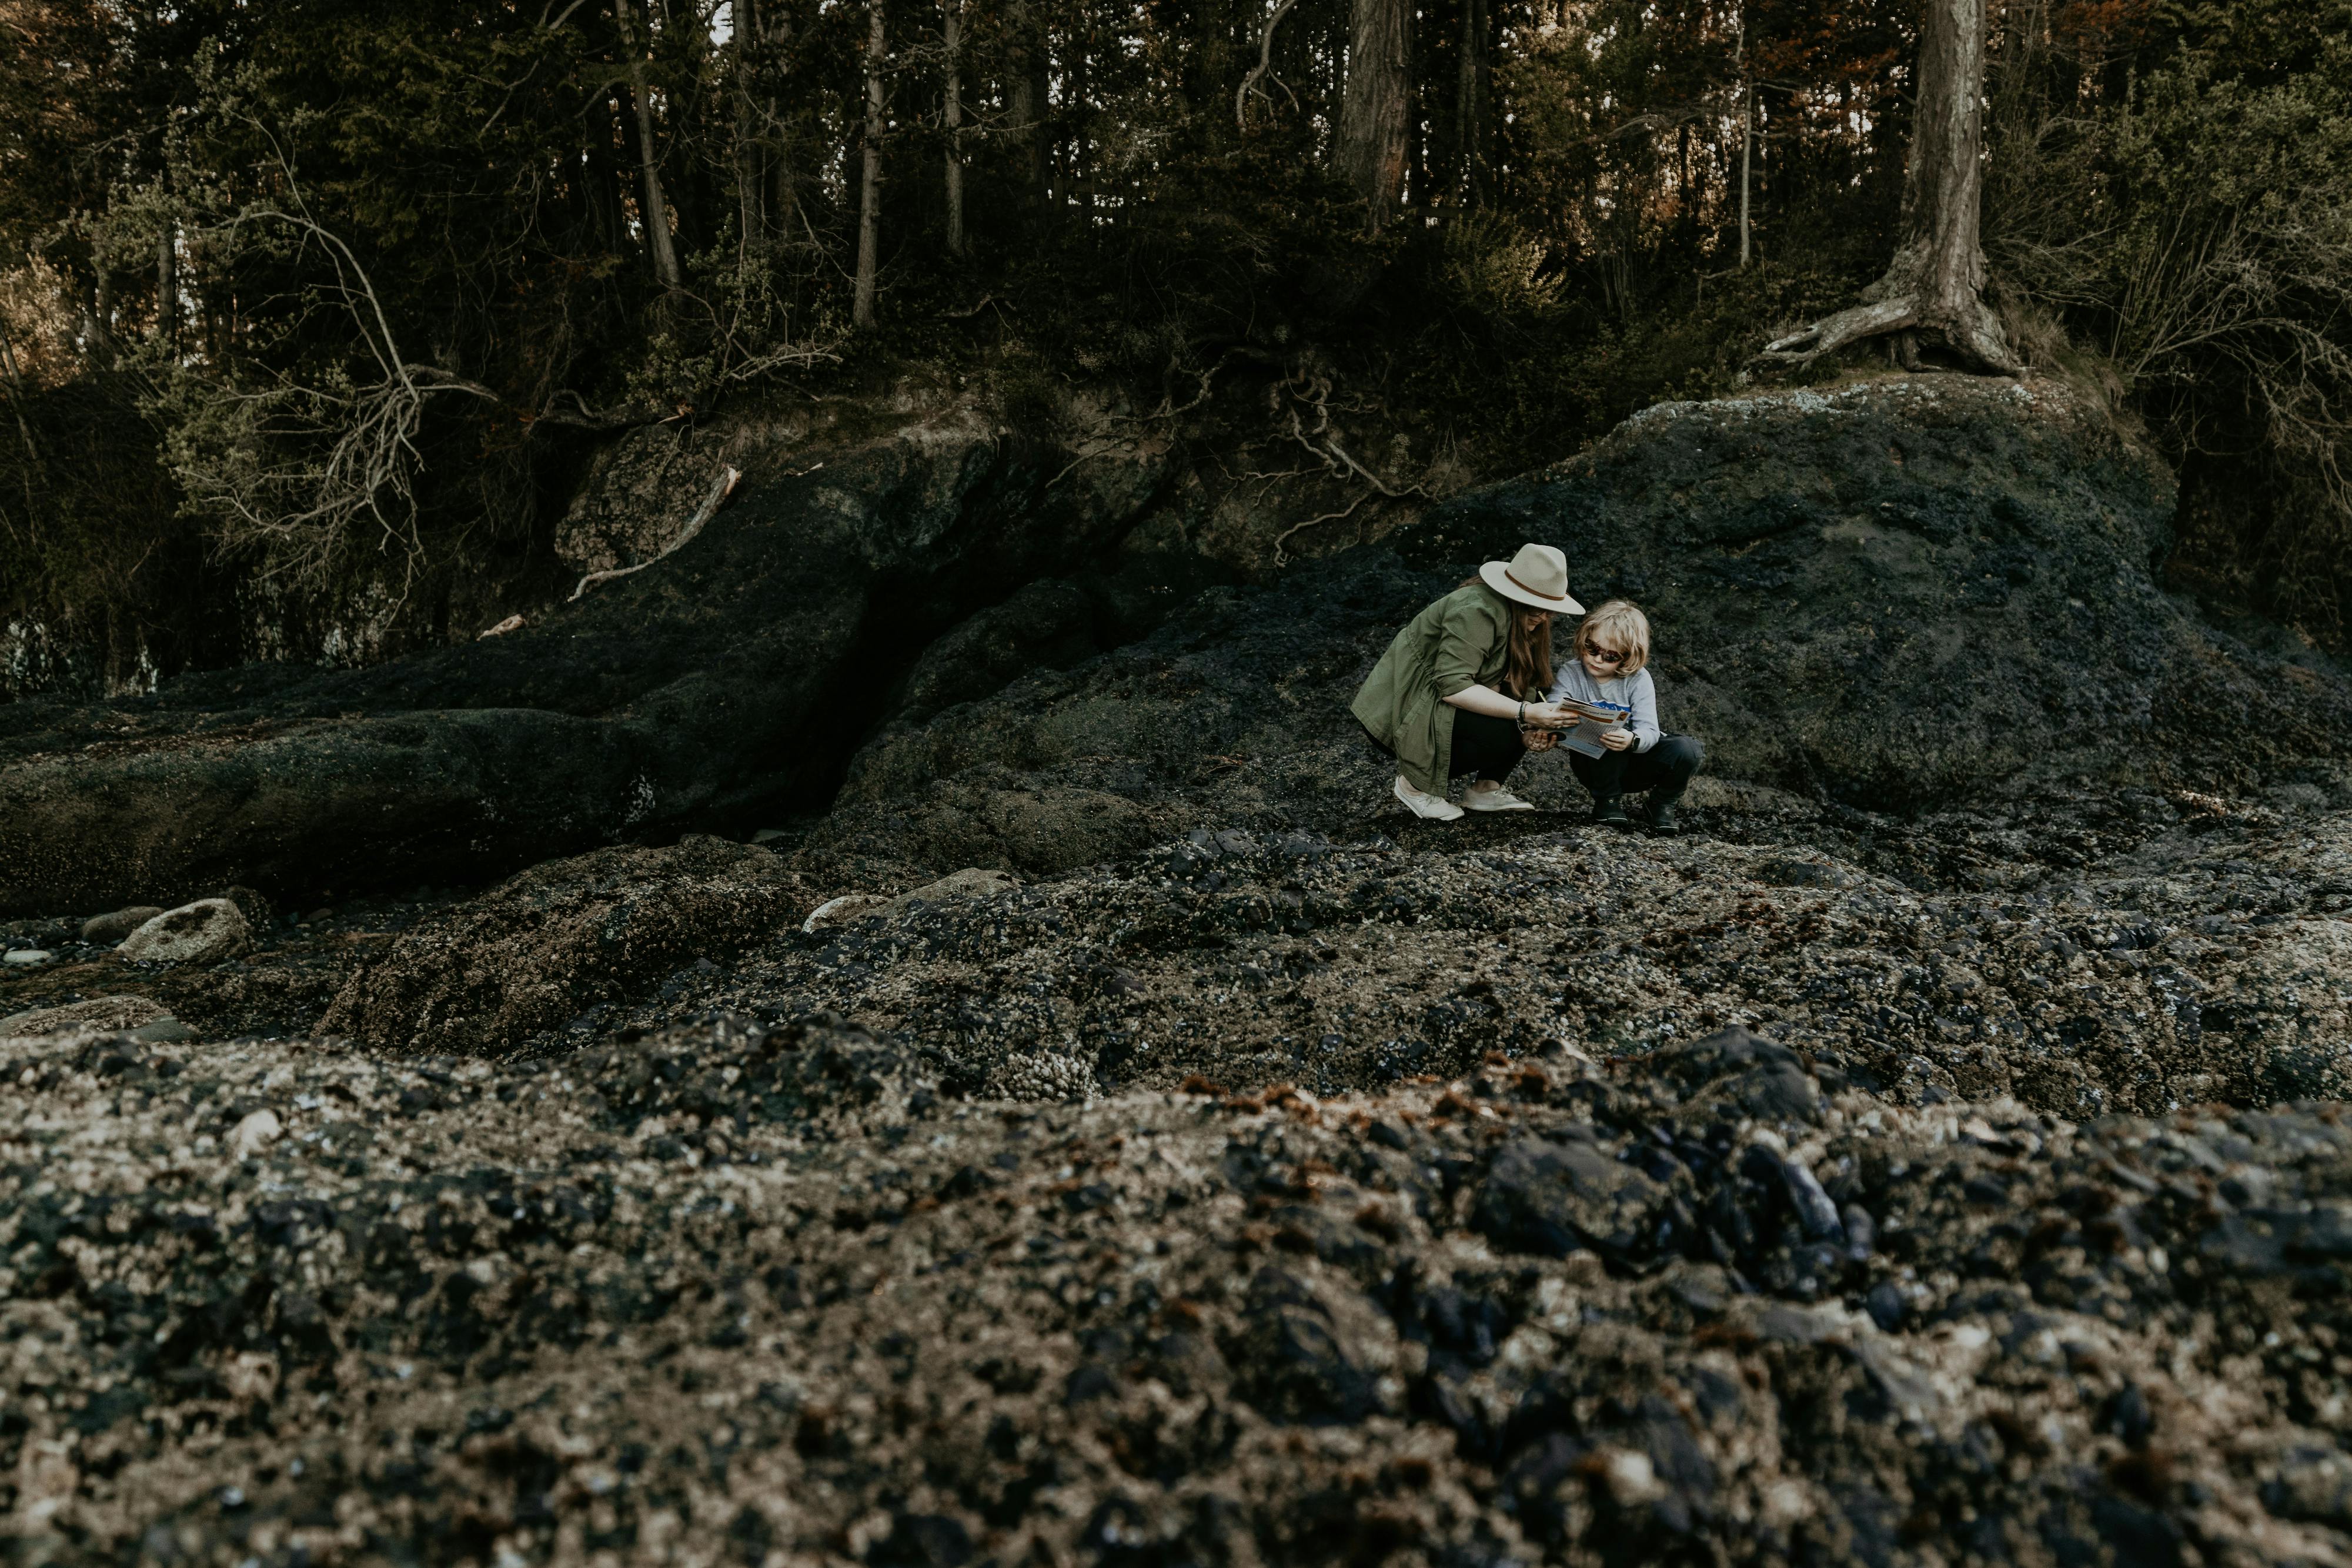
[{"x": 1934, "y": 289}]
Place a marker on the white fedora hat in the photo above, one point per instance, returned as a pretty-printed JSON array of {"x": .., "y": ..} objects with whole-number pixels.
[{"x": 1536, "y": 576}]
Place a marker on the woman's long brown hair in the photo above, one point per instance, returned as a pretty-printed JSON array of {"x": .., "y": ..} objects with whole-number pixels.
[{"x": 1527, "y": 656}]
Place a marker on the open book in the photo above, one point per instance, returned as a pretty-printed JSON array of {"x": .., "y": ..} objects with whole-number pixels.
[{"x": 1598, "y": 716}]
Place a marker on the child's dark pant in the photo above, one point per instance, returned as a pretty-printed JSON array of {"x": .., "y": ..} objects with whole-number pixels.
[{"x": 1664, "y": 770}]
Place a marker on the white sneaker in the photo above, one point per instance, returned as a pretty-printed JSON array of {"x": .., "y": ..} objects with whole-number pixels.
[
  {"x": 1421, "y": 803},
  {"x": 1485, "y": 797}
]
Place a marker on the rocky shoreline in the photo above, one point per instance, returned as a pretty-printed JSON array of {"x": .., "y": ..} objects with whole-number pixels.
[
  {"x": 739, "y": 1290},
  {"x": 1767, "y": 1194},
  {"x": 1112, "y": 1133}
]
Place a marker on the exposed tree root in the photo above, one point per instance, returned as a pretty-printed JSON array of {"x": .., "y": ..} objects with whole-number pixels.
[
  {"x": 1314, "y": 392},
  {"x": 1966, "y": 329},
  {"x": 723, "y": 486}
]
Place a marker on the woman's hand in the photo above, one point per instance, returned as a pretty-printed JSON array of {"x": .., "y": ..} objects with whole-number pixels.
[
  {"x": 1617, "y": 740},
  {"x": 1551, "y": 715}
]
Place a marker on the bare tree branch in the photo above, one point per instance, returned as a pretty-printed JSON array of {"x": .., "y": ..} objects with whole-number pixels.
[{"x": 1265, "y": 64}]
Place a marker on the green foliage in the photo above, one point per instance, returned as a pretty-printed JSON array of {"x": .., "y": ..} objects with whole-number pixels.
[
  {"x": 2198, "y": 233},
  {"x": 408, "y": 276},
  {"x": 1495, "y": 270}
]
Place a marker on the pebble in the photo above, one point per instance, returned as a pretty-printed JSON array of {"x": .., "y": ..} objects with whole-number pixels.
[
  {"x": 198, "y": 933},
  {"x": 106, "y": 930},
  {"x": 25, "y": 958},
  {"x": 256, "y": 1133}
]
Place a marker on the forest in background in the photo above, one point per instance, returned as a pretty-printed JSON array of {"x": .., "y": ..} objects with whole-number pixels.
[{"x": 303, "y": 299}]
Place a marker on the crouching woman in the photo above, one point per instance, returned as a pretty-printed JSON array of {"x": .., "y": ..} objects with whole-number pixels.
[{"x": 1448, "y": 697}]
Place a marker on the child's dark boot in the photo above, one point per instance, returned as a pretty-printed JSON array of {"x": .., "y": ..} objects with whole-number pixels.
[
  {"x": 1610, "y": 813},
  {"x": 1661, "y": 815}
]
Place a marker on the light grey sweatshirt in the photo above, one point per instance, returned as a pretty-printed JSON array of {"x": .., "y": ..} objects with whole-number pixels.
[{"x": 1634, "y": 691}]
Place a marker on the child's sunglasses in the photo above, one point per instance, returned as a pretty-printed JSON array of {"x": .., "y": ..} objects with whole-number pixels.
[{"x": 1607, "y": 655}]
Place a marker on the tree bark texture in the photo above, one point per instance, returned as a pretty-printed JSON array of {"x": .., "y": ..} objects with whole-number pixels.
[
  {"x": 653, "y": 205},
  {"x": 784, "y": 193},
  {"x": 751, "y": 180},
  {"x": 1934, "y": 288},
  {"x": 1370, "y": 153},
  {"x": 1470, "y": 104},
  {"x": 869, "y": 202},
  {"x": 952, "y": 33},
  {"x": 167, "y": 284},
  {"x": 1746, "y": 136},
  {"x": 1028, "y": 52}
]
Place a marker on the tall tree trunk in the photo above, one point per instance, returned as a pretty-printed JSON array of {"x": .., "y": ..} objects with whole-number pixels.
[
  {"x": 1470, "y": 104},
  {"x": 1028, "y": 106},
  {"x": 750, "y": 180},
  {"x": 1934, "y": 288},
  {"x": 652, "y": 207},
  {"x": 602, "y": 176},
  {"x": 1369, "y": 154},
  {"x": 97, "y": 319},
  {"x": 869, "y": 195},
  {"x": 34, "y": 477},
  {"x": 952, "y": 35},
  {"x": 1746, "y": 136},
  {"x": 1077, "y": 175},
  {"x": 1213, "y": 61},
  {"x": 167, "y": 285},
  {"x": 783, "y": 192}
]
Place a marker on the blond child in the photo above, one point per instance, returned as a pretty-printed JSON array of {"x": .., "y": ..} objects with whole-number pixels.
[{"x": 1608, "y": 661}]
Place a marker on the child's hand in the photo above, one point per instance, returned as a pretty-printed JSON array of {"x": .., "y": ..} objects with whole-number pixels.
[{"x": 1617, "y": 740}]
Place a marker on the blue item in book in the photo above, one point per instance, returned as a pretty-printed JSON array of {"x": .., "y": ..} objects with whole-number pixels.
[{"x": 1599, "y": 718}]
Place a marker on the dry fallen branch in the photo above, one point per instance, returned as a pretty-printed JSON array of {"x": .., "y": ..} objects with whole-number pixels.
[
  {"x": 800, "y": 355},
  {"x": 1324, "y": 443},
  {"x": 723, "y": 486}
]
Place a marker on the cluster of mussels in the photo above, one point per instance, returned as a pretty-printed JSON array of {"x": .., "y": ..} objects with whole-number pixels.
[{"x": 776, "y": 1293}]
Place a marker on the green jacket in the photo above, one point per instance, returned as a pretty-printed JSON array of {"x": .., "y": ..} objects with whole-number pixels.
[{"x": 1460, "y": 641}]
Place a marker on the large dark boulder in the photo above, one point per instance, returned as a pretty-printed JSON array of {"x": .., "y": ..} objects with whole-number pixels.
[
  {"x": 1897, "y": 595},
  {"x": 734, "y": 675},
  {"x": 1901, "y": 592}
]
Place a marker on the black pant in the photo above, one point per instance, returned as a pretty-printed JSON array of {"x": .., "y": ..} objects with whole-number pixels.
[
  {"x": 1664, "y": 770},
  {"x": 1486, "y": 745}
]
